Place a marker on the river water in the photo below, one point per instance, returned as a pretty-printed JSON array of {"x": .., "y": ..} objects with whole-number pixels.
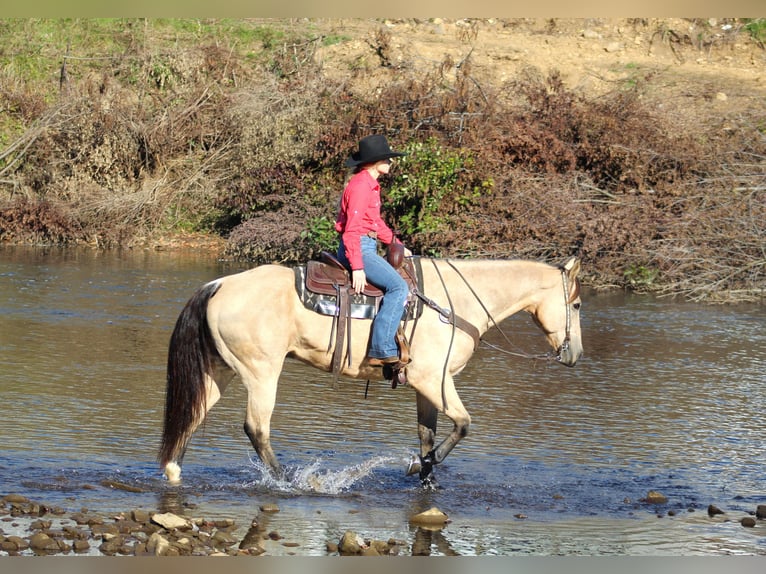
[{"x": 669, "y": 396}]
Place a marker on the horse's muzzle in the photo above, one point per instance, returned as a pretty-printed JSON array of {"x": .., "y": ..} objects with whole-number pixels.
[{"x": 567, "y": 355}]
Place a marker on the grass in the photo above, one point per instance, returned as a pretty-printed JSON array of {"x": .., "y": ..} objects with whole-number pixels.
[{"x": 757, "y": 29}]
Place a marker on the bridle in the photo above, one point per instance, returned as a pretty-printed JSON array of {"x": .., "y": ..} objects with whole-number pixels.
[
  {"x": 450, "y": 317},
  {"x": 567, "y": 300},
  {"x": 568, "y": 327}
]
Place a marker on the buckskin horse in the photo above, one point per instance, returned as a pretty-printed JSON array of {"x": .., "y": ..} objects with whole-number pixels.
[{"x": 247, "y": 323}]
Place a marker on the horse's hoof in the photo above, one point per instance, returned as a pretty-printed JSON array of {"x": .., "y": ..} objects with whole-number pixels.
[
  {"x": 414, "y": 466},
  {"x": 430, "y": 483},
  {"x": 173, "y": 473}
]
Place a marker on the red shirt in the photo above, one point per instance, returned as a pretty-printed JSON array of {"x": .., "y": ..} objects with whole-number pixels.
[{"x": 359, "y": 214}]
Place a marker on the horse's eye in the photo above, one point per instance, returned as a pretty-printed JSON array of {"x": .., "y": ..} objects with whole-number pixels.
[{"x": 576, "y": 306}]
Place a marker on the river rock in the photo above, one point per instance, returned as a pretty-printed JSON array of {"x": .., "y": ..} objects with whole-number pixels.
[
  {"x": 350, "y": 543},
  {"x": 41, "y": 541},
  {"x": 760, "y": 512},
  {"x": 15, "y": 499},
  {"x": 654, "y": 497},
  {"x": 141, "y": 516},
  {"x": 269, "y": 508},
  {"x": 712, "y": 510},
  {"x": 13, "y": 543},
  {"x": 157, "y": 544},
  {"x": 170, "y": 521},
  {"x": 748, "y": 522},
  {"x": 223, "y": 538},
  {"x": 431, "y": 517}
]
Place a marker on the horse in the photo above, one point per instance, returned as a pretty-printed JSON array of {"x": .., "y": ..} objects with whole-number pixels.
[{"x": 248, "y": 323}]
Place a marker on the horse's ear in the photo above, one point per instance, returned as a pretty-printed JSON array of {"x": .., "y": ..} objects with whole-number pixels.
[{"x": 572, "y": 267}]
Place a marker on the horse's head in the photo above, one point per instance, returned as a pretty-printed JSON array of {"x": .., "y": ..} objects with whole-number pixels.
[{"x": 558, "y": 315}]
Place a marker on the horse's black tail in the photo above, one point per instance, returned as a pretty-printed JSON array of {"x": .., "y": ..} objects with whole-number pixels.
[{"x": 190, "y": 356}]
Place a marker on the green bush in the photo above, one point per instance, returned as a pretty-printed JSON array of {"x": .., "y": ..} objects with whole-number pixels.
[
  {"x": 320, "y": 233},
  {"x": 426, "y": 187}
]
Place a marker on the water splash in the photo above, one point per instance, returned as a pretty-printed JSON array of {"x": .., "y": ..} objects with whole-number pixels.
[{"x": 314, "y": 478}]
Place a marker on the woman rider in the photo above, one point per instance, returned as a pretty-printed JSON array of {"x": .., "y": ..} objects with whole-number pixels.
[{"x": 360, "y": 225}]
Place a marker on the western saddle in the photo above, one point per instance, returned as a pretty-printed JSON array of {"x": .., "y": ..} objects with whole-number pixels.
[{"x": 328, "y": 276}]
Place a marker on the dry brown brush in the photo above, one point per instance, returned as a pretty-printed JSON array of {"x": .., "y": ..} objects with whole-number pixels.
[{"x": 247, "y": 140}]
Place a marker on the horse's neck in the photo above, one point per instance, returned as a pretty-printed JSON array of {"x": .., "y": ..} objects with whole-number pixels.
[{"x": 503, "y": 287}]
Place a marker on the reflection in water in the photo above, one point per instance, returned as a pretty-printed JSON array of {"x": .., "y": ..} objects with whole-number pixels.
[
  {"x": 426, "y": 538},
  {"x": 666, "y": 398}
]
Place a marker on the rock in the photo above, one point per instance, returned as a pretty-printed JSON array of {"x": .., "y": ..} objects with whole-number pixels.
[
  {"x": 79, "y": 518},
  {"x": 712, "y": 510},
  {"x": 748, "y": 522},
  {"x": 157, "y": 544},
  {"x": 104, "y": 530},
  {"x": 121, "y": 486},
  {"x": 170, "y": 521},
  {"x": 654, "y": 497},
  {"x": 15, "y": 499},
  {"x": 381, "y": 547},
  {"x": 613, "y": 47},
  {"x": 721, "y": 97},
  {"x": 41, "y": 541},
  {"x": 223, "y": 538},
  {"x": 270, "y": 508},
  {"x": 14, "y": 543},
  {"x": 81, "y": 545},
  {"x": 760, "y": 512},
  {"x": 110, "y": 547},
  {"x": 8, "y": 546},
  {"x": 40, "y": 525},
  {"x": 141, "y": 516},
  {"x": 350, "y": 543},
  {"x": 431, "y": 517}
]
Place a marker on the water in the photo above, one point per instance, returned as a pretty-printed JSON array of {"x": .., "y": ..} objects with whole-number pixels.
[{"x": 669, "y": 397}]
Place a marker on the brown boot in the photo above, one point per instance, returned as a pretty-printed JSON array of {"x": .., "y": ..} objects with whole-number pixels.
[{"x": 379, "y": 362}]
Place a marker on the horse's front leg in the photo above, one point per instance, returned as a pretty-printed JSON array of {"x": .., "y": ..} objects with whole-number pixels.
[
  {"x": 438, "y": 397},
  {"x": 427, "y": 416}
]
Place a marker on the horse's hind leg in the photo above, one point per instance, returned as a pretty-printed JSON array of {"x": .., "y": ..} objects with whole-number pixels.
[
  {"x": 214, "y": 388},
  {"x": 261, "y": 382}
]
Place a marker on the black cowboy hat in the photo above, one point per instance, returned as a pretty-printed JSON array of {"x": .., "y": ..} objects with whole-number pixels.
[{"x": 371, "y": 149}]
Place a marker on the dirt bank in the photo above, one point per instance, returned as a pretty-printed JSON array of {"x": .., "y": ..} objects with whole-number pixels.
[{"x": 636, "y": 143}]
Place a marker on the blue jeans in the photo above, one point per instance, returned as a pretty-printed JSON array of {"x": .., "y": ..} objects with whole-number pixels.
[{"x": 395, "y": 290}]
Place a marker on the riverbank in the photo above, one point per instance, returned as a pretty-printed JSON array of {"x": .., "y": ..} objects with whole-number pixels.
[
  {"x": 635, "y": 143},
  {"x": 30, "y": 528}
]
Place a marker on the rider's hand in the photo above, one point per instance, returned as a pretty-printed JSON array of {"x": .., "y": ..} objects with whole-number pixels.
[
  {"x": 358, "y": 280},
  {"x": 407, "y": 252}
]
